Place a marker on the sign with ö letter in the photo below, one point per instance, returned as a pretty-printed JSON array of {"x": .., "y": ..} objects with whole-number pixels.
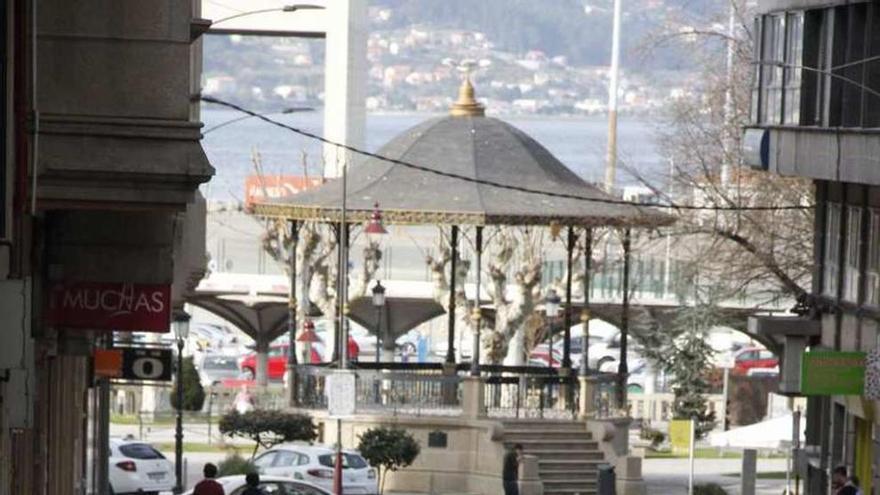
[
  {"x": 110, "y": 306},
  {"x": 134, "y": 363}
]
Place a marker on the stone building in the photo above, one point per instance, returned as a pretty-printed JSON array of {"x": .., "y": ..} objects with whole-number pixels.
[
  {"x": 815, "y": 114},
  {"x": 100, "y": 165}
]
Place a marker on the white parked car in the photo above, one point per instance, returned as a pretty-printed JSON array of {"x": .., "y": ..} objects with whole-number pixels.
[
  {"x": 270, "y": 485},
  {"x": 315, "y": 464},
  {"x": 136, "y": 467}
]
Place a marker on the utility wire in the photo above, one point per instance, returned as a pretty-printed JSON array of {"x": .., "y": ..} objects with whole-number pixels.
[{"x": 490, "y": 183}]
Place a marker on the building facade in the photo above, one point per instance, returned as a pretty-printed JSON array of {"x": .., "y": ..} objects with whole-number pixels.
[
  {"x": 100, "y": 164},
  {"x": 816, "y": 114}
]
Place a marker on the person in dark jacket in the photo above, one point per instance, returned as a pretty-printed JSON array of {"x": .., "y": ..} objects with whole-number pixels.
[
  {"x": 209, "y": 486},
  {"x": 510, "y": 472},
  {"x": 253, "y": 485}
]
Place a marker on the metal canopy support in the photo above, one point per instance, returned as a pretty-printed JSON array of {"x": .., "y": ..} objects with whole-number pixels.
[
  {"x": 478, "y": 315},
  {"x": 585, "y": 312},
  {"x": 566, "y": 332},
  {"x": 623, "y": 369},
  {"x": 450, "y": 349},
  {"x": 292, "y": 385}
]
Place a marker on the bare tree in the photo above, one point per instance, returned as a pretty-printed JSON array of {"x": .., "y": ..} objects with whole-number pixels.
[{"x": 763, "y": 254}]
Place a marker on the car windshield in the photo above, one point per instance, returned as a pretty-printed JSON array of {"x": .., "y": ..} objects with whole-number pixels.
[
  {"x": 225, "y": 363},
  {"x": 140, "y": 451},
  {"x": 350, "y": 461}
]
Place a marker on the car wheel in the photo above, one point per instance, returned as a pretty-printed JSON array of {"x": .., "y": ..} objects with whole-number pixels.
[{"x": 249, "y": 374}]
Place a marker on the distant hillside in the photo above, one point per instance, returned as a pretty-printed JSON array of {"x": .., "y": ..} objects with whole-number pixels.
[{"x": 556, "y": 27}]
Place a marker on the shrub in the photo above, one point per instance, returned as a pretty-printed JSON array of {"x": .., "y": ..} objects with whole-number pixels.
[
  {"x": 268, "y": 428},
  {"x": 388, "y": 449},
  {"x": 193, "y": 393},
  {"x": 709, "y": 489},
  {"x": 656, "y": 437},
  {"x": 235, "y": 464}
]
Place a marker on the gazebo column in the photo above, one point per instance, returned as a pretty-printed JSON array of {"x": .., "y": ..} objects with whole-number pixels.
[
  {"x": 292, "y": 382},
  {"x": 453, "y": 245},
  {"x": 566, "y": 331},
  {"x": 585, "y": 312},
  {"x": 478, "y": 315},
  {"x": 587, "y": 386},
  {"x": 623, "y": 368}
]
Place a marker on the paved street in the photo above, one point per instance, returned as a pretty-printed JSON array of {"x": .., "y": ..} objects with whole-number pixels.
[{"x": 670, "y": 476}]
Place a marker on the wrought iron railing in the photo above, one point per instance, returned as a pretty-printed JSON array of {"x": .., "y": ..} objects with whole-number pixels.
[
  {"x": 409, "y": 390},
  {"x": 528, "y": 392}
]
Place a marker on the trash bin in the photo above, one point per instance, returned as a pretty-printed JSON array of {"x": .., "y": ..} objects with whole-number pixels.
[{"x": 606, "y": 480}]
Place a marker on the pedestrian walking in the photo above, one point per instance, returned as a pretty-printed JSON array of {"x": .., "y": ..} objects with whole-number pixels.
[
  {"x": 208, "y": 486},
  {"x": 510, "y": 472},
  {"x": 841, "y": 484},
  {"x": 252, "y": 481}
]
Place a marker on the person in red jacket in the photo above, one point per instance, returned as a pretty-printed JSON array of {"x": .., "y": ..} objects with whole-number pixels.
[
  {"x": 353, "y": 349},
  {"x": 208, "y": 486}
]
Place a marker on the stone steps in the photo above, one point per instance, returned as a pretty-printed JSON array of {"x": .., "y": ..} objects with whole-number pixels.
[{"x": 568, "y": 457}]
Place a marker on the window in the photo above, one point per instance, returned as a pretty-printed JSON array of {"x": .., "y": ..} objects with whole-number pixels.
[
  {"x": 140, "y": 451},
  {"x": 837, "y": 45},
  {"x": 285, "y": 458},
  {"x": 832, "y": 250},
  {"x": 794, "y": 54},
  {"x": 348, "y": 461},
  {"x": 265, "y": 460},
  {"x": 872, "y": 273},
  {"x": 773, "y": 55},
  {"x": 853, "y": 259},
  {"x": 293, "y": 488}
]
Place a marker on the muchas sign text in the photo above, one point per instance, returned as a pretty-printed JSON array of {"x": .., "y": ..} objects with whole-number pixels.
[{"x": 110, "y": 306}]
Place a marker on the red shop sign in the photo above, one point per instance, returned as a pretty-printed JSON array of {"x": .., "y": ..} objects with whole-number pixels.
[{"x": 110, "y": 306}]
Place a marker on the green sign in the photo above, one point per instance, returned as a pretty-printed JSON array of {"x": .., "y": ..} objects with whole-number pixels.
[{"x": 833, "y": 373}]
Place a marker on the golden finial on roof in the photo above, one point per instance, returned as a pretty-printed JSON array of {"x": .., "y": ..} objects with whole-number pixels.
[{"x": 467, "y": 105}]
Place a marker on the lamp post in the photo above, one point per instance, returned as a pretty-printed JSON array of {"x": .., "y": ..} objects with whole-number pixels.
[
  {"x": 286, "y": 8},
  {"x": 551, "y": 310},
  {"x": 181, "y": 332},
  {"x": 378, "y": 303}
]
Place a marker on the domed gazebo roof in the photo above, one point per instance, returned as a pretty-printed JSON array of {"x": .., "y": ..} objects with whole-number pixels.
[{"x": 469, "y": 144}]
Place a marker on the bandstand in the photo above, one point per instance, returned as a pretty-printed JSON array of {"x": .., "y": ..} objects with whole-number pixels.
[{"x": 463, "y": 173}]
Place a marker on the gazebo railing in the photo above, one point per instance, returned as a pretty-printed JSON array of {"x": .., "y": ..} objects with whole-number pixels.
[
  {"x": 428, "y": 389},
  {"x": 419, "y": 391},
  {"x": 530, "y": 394}
]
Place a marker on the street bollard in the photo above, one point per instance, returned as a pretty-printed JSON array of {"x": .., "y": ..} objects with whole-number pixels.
[
  {"x": 749, "y": 471},
  {"x": 607, "y": 480}
]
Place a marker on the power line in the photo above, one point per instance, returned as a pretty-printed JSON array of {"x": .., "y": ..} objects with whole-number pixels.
[{"x": 499, "y": 185}]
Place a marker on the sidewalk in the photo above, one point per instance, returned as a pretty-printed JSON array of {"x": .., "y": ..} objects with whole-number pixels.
[{"x": 670, "y": 476}]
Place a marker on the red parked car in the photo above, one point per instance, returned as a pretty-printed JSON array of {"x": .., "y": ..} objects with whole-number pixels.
[
  {"x": 753, "y": 358},
  {"x": 277, "y": 362}
]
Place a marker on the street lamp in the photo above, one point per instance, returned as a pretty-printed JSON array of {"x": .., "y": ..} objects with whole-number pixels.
[
  {"x": 551, "y": 310},
  {"x": 181, "y": 332},
  {"x": 286, "y": 111},
  {"x": 286, "y": 8},
  {"x": 378, "y": 303}
]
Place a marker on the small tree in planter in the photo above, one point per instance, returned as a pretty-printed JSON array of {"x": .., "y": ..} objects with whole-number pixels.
[
  {"x": 268, "y": 428},
  {"x": 388, "y": 449},
  {"x": 193, "y": 392}
]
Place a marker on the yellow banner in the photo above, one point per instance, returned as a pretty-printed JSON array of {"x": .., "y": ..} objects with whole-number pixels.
[{"x": 680, "y": 435}]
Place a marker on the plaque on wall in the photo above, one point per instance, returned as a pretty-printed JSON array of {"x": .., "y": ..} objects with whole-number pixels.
[{"x": 437, "y": 440}]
